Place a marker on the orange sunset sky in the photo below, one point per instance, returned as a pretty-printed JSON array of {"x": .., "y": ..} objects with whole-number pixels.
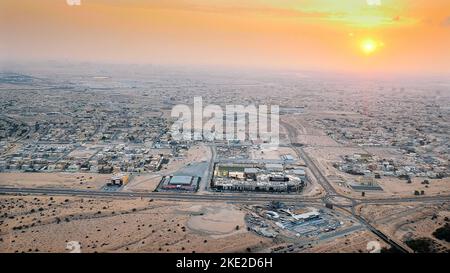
[{"x": 392, "y": 36}]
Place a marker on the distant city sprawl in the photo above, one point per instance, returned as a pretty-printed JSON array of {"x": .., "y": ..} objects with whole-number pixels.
[{"x": 172, "y": 161}]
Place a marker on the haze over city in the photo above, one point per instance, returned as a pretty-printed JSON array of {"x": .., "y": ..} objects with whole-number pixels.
[{"x": 357, "y": 36}]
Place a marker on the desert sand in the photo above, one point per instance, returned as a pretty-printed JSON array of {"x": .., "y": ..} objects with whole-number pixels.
[{"x": 47, "y": 224}]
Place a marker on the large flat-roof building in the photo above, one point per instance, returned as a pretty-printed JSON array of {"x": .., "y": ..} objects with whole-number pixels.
[
  {"x": 255, "y": 177},
  {"x": 179, "y": 182}
]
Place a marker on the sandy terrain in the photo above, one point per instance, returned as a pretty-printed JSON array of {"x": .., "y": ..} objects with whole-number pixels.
[
  {"x": 312, "y": 188},
  {"x": 406, "y": 221},
  {"x": 81, "y": 153},
  {"x": 219, "y": 220},
  {"x": 196, "y": 153},
  {"x": 351, "y": 243},
  {"x": 61, "y": 180},
  {"x": 306, "y": 133},
  {"x": 325, "y": 157},
  {"x": 143, "y": 182},
  {"x": 149, "y": 182},
  {"x": 146, "y": 182},
  {"x": 395, "y": 186},
  {"x": 274, "y": 154},
  {"x": 46, "y": 224},
  {"x": 384, "y": 152}
]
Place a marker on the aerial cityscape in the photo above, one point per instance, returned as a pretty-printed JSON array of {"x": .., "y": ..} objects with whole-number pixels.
[{"x": 106, "y": 155}]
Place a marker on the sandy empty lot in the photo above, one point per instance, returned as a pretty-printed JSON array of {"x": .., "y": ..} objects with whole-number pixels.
[
  {"x": 196, "y": 153},
  {"x": 274, "y": 154},
  {"x": 325, "y": 157},
  {"x": 143, "y": 182},
  {"x": 405, "y": 221},
  {"x": 352, "y": 243},
  {"x": 223, "y": 220},
  {"x": 308, "y": 134},
  {"x": 139, "y": 182},
  {"x": 62, "y": 180},
  {"x": 47, "y": 224}
]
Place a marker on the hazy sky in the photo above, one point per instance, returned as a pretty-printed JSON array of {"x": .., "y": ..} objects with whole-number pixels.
[{"x": 403, "y": 36}]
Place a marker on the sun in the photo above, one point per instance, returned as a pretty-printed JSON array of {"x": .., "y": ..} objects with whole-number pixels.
[{"x": 369, "y": 46}]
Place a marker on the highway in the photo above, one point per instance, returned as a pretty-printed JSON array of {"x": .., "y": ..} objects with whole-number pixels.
[
  {"x": 232, "y": 198},
  {"x": 308, "y": 161},
  {"x": 331, "y": 192},
  {"x": 241, "y": 197},
  {"x": 248, "y": 198},
  {"x": 301, "y": 243},
  {"x": 381, "y": 235}
]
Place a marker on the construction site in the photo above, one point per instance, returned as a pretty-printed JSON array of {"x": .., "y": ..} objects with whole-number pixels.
[{"x": 290, "y": 222}]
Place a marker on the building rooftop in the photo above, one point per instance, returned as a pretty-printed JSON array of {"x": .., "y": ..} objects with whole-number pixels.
[{"x": 181, "y": 180}]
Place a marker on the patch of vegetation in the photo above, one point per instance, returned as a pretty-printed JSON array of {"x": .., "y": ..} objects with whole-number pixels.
[
  {"x": 422, "y": 245},
  {"x": 443, "y": 233},
  {"x": 389, "y": 250}
]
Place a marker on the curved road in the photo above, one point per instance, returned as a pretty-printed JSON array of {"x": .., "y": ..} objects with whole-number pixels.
[
  {"x": 247, "y": 198},
  {"x": 331, "y": 192}
]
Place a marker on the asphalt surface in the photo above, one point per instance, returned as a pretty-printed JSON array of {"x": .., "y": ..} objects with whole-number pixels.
[
  {"x": 244, "y": 197},
  {"x": 331, "y": 192},
  {"x": 249, "y": 198}
]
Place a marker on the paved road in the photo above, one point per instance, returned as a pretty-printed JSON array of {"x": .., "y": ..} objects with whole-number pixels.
[
  {"x": 321, "y": 179},
  {"x": 247, "y": 198},
  {"x": 208, "y": 176},
  {"x": 331, "y": 192},
  {"x": 323, "y": 238},
  {"x": 238, "y": 197},
  {"x": 242, "y": 197},
  {"x": 317, "y": 172},
  {"x": 441, "y": 198},
  {"x": 383, "y": 236}
]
